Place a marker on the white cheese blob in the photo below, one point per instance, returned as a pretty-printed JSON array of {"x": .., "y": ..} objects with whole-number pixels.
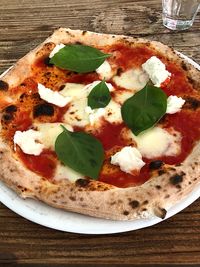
[
  {"x": 75, "y": 114},
  {"x": 56, "y": 50},
  {"x": 49, "y": 132},
  {"x": 78, "y": 113},
  {"x": 65, "y": 172},
  {"x": 53, "y": 97},
  {"x": 133, "y": 79},
  {"x": 174, "y": 104},
  {"x": 94, "y": 114},
  {"x": 73, "y": 90},
  {"x": 156, "y": 142},
  {"x": 113, "y": 112},
  {"x": 105, "y": 70},
  {"x": 156, "y": 70},
  {"x": 121, "y": 96},
  {"x": 28, "y": 141},
  {"x": 128, "y": 159}
]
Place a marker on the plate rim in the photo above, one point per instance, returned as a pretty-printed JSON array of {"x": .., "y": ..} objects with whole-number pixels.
[{"x": 30, "y": 213}]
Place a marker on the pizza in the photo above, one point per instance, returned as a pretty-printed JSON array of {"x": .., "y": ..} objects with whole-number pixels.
[{"x": 102, "y": 125}]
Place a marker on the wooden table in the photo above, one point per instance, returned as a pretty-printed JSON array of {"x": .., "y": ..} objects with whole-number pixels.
[{"x": 23, "y": 25}]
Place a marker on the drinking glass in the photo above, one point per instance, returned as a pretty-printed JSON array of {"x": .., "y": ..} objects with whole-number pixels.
[{"x": 179, "y": 14}]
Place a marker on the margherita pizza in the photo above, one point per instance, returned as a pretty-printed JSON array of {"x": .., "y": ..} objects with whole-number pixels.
[{"x": 103, "y": 125}]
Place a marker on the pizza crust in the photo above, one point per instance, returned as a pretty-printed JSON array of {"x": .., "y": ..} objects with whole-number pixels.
[
  {"x": 97, "y": 199},
  {"x": 153, "y": 198}
]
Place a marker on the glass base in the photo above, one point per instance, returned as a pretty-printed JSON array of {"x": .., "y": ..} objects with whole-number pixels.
[{"x": 174, "y": 24}]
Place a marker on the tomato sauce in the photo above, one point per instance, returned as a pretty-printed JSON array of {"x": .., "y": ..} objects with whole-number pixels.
[
  {"x": 178, "y": 84},
  {"x": 122, "y": 179},
  {"x": 128, "y": 57},
  {"x": 29, "y": 86},
  {"x": 109, "y": 135},
  {"x": 186, "y": 122},
  {"x": 44, "y": 164}
]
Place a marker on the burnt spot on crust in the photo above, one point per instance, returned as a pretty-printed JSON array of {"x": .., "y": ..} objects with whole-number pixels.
[
  {"x": 161, "y": 172},
  {"x": 134, "y": 204},
  {"x": 84, "y": 32},
  {"x": 47, "y": 62},
  {"x": 119, "y": 71},
  {"x": 194, "y": 83},
  {"x": 43, "y": 109},
  {"x": 45, "y": 49},
  {"x": 11, "y": 109},
  {"x": 7, "y": 117},
  {"x": 72, "y": 198},
  {"x": 92, "y": 185},
  {"x": 126, "y": 213},
  {"x": 82, "y": 182},
  {"x": 61, "y": 87},
  {"x": 160, "y": 212},
  {"x": 22, "y": 189},
  {"x": 177, "y": 179},
  {"x": 158, "y": 187},
  {"x": 48, "y": 46},
  {"x": 78, "y": 43},
  {"x": 192, "y": 103},
  {"x": 156, "y": 164},
  {"x": 145, "y": 202},
  {"x": 3, "y": 86},
  {"x": 22, "y": 96},
  {"x": 69, "y": 33},
  {"x": 184, "y": 66}
]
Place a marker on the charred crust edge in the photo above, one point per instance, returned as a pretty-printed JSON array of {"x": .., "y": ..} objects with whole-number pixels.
[
  {"x": 3, "y": 86},
  {"x": 134, "y": 204},
  {"x": 176, "y": 179},
  {"x": 82, "y": 182}
]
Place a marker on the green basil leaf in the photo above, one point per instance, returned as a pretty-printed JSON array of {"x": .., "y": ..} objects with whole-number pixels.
[
  {"x": 80, "y": 151},
  {"x": 144, "y": 109},
  {"x": 79, "y": 58},
  {"x": 99, "y": 97}
]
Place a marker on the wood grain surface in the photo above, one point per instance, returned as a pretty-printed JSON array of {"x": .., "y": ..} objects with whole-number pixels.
[{"x": 23, "y": 25}]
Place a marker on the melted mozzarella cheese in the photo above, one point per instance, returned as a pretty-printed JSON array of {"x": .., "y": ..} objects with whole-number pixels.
[
  {"x": 113, "y": 112},
  {"x": 79, "y": 114},
  {"x": 128, "y": 159},
  {"x": 158, "y": 142},
  {"x": 53, "y": 97},
  {"x": 76, "y": 115},
  {"x": 156, "y": 70},
  {"x": 174, "y": 104},
  {"x": 133, "y": 79},
  {"x": 29, "y": 141},
  {"x": 105, "y": 70},
  {"x": 64, "y": 172},
  {"x": 56, "y": 50},
  {"x": 94, "y": 114},
  {"x": 49, "y": 132},
  {"x": 74, "y": 90},
  {"x": 121, "y": 96}
]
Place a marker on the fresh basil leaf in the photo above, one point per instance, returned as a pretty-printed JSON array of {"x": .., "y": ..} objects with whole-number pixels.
[
  {"x": 80, "y": 151},
  {"x": 79, "y": 58},
  {"x": 144, "y": 109},
  {"x": 99, "y": 97}
]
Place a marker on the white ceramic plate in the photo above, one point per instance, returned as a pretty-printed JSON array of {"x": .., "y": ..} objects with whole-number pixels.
[{"x": 45, "y": 215}]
